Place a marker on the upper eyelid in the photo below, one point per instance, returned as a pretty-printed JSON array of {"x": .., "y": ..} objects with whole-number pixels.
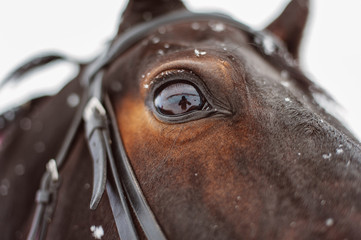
[
  {"x": 180, "y": 75},
  {"x": 164, "y": 75}
]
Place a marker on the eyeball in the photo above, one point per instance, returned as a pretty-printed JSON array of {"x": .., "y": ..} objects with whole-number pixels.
[{"x": 178, "y": 98}]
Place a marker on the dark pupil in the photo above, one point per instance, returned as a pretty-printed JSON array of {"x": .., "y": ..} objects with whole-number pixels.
[{"x": 178, "y": 98}]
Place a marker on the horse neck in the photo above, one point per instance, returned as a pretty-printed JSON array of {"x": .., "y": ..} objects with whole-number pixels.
[{"x": 30, "y": 149}]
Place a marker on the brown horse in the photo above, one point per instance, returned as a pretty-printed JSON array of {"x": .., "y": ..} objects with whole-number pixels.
[{"x": 220, "y": 126}]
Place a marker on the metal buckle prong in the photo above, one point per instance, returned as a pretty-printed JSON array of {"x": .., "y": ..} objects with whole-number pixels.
[{"x": 92, "y": 106}]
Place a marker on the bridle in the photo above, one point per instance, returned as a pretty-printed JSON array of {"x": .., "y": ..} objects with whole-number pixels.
[{"x": 105, "y": 144}]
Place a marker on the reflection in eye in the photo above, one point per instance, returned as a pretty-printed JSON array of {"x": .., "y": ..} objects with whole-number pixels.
[{"x": 178, "y": 98}]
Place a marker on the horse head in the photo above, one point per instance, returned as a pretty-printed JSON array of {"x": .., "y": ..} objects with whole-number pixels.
[{"x": 222, "y": 130}]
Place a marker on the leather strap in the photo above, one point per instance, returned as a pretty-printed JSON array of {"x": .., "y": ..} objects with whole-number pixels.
[
  {"x": 32, "y": 64},
  {"x": 95, "y": 123},
  {"x": 45, "y": 200},
  {"x": 135, "y": 196},
  {"x": 98, "y": 139},
  {"x": 138, "y": 32}
]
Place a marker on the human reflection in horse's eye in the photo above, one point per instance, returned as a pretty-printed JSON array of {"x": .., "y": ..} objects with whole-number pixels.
[{"x": 178, "y": 98}]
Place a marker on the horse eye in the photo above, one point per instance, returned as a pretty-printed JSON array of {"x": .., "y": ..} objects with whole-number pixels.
[{"x": 178, "y": 98}]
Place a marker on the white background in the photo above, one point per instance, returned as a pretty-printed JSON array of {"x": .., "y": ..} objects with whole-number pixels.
[{"x": 331, "y": 54}]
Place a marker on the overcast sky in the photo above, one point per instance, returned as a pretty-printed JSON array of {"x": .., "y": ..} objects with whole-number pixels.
[{"x": 331, "y": 54}]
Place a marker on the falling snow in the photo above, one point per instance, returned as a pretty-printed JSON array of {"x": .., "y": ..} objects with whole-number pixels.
[
  {"x": 155, "y": 40},
  {"x": 162, "y": 30},
  {"x": 195, "y": 26},
  {"x": 98, "y": 232},
  {"x": 25, "y": 124},
  {"x": 285, "y": 74},
  {"x": 19, "y": 169},
  {"x": 3, "y": 190},
  {"x": 199, "y": 53},
  {"x": 329, "y": 222},
  {"x": 268, "y": 45},
  {"x": 217, "y": 27},
  {"x": 339, "y": 151},
  {"x": 73, "y": 100},
  {"x": 10, "y": 115},
  {"x": 285, "y": 84},
  {"x": 116, "y": 86},
  {"x": 4, "y": 187},
  {"x": 147, "y": 16},
  {"x": 39, "y": 147}
]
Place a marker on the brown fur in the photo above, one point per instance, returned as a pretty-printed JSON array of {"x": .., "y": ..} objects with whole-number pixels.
[{"x": 257, "y": 173}]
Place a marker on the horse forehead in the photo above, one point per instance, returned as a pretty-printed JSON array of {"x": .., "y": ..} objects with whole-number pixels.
[
  {"x": 212, "y": 37},
  {"x": 210, "y": 33},
  {"x": 191, "y": 39},
  {"x": 196, "y": 40},
  {"x": 209, "y": 45}
]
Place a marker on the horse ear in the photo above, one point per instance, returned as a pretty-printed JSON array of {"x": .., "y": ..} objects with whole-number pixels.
[
  {"x": 290, "y": 24},
  {"x": 144, "y": 10}
]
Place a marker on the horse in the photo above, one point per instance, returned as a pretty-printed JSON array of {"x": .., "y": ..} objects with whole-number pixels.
[{"x": 190, "y": 126}]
